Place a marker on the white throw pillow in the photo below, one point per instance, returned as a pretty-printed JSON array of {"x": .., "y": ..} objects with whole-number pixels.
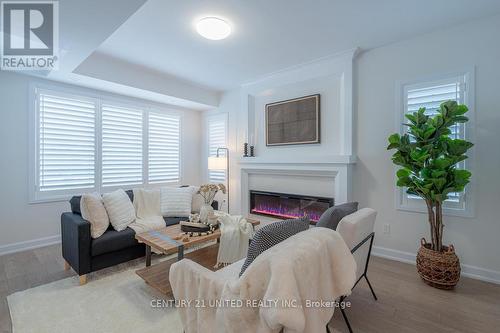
[
  {"x": 120, "y": 209},
  {"x": 176, "y": 201},
  {"x": 197, "y": 200},
  {"x": 93, "y": 211}
]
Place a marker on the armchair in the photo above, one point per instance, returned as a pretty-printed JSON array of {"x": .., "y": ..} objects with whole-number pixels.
[
  {"x": 357, "y": 231},
  {"x": 312, "y": 265}
]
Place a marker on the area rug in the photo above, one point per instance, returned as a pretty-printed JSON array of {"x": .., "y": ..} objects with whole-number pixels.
[{"x": 119, "y": 302}]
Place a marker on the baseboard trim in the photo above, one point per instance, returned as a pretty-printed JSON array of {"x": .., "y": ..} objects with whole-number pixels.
[
  {"x": 473, "y": 272},
  {"x": 28, "y": 245}
]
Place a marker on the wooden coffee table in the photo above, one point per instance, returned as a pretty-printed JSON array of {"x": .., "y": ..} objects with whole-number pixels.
[{"x": 167, "y": 241}]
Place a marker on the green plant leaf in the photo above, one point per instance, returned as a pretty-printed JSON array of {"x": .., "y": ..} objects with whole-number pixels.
[
  {"x": 401, "y": 173},
  {"x": 461, "y": 119},
  {"x": 428, "y": 132},
  {"x": 403, "y": 182},
  {"x": 394, "y": 140},
  {"x": 461, "y": 109},
  {"x": 439, "y": 183},
  {"x": 437, "y": 173},
  {"x": 411, "y": 117},
  {"x": 458, "y": 146},
  {"x": 442, "y": 163},
  {"x": 462, "y": 175}
]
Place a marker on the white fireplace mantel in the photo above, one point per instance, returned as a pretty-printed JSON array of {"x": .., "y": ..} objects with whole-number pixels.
[
  {"x": 336, "y": 168},
  {"x": 320, "y": 160}
]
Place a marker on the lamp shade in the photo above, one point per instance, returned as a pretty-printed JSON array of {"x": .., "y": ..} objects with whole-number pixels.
[{"x": 217, "y": 163}]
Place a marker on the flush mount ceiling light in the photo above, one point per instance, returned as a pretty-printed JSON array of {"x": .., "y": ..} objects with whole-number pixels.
[{"x": 213, "y": 28}]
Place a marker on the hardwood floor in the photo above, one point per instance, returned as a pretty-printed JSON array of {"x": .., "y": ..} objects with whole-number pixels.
[
  {"x": 405, "y": 303},
  {"x": 155, "y": 275}
]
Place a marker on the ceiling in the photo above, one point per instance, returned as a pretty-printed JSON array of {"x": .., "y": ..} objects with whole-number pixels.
[
  {"x": 269, "y": 35},
  {"x": 150, "y": 49}
]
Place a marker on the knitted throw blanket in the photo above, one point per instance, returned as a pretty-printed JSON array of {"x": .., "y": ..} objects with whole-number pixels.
[{"x": 235, "y": 235}]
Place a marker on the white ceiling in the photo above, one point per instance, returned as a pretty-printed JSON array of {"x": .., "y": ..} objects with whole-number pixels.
[{"x": 269, "y": 35}]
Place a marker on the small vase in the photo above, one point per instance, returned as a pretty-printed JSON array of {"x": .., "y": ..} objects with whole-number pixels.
[{"x": 205, "y": 211}]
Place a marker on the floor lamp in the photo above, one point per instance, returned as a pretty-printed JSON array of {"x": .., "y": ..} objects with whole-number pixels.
[{"x": 221, "y": 162}]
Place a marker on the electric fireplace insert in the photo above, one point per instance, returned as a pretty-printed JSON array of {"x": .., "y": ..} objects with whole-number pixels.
[{"x": 282, "y": 205}]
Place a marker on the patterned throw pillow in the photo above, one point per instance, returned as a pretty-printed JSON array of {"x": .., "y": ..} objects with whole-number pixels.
[
  {"x": 332, "y": 216},
  {"x": 272, "y": 234}
]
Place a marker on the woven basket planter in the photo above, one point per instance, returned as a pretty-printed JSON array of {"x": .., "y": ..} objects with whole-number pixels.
[{"x": 438, "y": 269}]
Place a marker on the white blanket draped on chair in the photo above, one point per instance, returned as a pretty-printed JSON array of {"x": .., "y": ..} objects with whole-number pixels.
[{"x": 313, "y": 265}]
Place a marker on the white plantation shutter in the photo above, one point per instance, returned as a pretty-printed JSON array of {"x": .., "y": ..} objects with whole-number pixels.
[
  {"x": 121, "y": 146},
  {"x": 82, "y": 142},
  {"x": 163, "y": 148},
  {"x": 217, "y": 138},
  {"x": 66, "y": 142},
  {"x": 430, "y": 95},
  {"x": 431, "y": 98}
]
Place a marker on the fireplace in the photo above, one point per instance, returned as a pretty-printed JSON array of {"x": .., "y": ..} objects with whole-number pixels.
[{"x": 282, "y": 205}]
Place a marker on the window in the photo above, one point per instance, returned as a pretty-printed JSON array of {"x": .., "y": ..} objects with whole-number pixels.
[
  {"x": 217, "y": 138},
  {"x": 121, "y": 146},
  {"x": 164, "y": 148},
  {"x": 430, "y": 95},
  {"x": 66, "y": 144},
  {"x": 82, "y": 142}
]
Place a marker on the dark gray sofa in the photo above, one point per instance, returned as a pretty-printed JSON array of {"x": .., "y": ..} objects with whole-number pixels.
[{"x": 86, "y": 255}]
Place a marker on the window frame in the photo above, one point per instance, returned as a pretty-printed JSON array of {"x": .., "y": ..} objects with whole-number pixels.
[
  {"x": 465, "y": 206},
  {"x": 100, "y": 98}
]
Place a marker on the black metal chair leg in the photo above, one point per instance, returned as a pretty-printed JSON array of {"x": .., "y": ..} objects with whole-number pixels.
[
  {"x": 370, "y": 237},
  {"x": 346, "y": 320},
  {"x": 370, "y": 285}
]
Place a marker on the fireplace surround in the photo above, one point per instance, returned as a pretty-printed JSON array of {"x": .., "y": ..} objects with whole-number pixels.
[{"x": 284, "y": 205}]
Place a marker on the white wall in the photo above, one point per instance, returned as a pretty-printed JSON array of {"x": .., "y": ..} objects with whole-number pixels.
[
  {"x": 328, "y": 87},
  {"x": 376, "y": 73},
  {"x": 40, "y": 223},
  {"x": 191, "y": 149}
]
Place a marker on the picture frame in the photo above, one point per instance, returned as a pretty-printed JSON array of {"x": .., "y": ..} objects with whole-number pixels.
[{"x": 294, "y": 121}]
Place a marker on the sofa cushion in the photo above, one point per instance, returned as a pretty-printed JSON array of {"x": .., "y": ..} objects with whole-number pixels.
[
  {"x": 332, "y": 216},
  {"x": 113, "y": 240},
  {"x": 272, "y": 234},
  {"x": 75, "y": 202}
]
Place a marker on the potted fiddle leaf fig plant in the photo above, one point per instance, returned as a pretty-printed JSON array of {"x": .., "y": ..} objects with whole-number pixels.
[{"x": 428, "y": 159}]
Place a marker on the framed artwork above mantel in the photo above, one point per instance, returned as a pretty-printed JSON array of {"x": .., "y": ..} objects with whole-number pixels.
[{"x": 293, "y": 122}]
